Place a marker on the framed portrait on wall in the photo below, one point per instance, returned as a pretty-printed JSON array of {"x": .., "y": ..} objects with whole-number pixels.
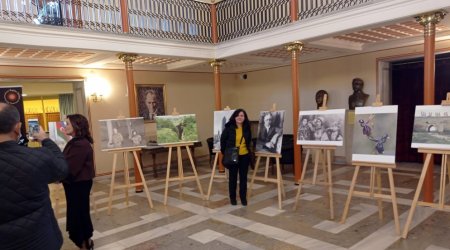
[{"x": 150, "y": 101}]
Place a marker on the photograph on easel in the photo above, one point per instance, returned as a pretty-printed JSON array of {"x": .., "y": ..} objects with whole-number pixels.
[
  {"x": 220, "y": 118},
  {"x": 172, "y": 129},
  {"x": 375, "y": 134},
  {"x": 431, "y": 127},
  {"x": 270, "y": 132},
  {"x": 57, "y": 134},
  {"x": 317, "y": 127},
  {"x": 122, "y": 133}
]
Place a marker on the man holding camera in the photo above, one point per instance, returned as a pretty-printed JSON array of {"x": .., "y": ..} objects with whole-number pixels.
[{"x": 27, "y": 220}]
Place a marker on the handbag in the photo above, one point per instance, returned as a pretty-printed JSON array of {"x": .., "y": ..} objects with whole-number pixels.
[{"x": 230, "y": 157}]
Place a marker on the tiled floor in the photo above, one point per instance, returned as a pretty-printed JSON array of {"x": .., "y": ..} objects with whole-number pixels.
[{"x": 188, "y": 222}]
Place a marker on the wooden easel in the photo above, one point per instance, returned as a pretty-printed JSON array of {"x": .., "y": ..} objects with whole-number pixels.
[
  {"x": 213, "y": 173},
  {"x": 322, "y": 152},
  {"x": 445, "y": 169},
  {"x": 181, "y": 176},
  {"x": 278, "y": 180},
  {"x": 374, "y": 173},
  {"x": 126, "y": 172}
]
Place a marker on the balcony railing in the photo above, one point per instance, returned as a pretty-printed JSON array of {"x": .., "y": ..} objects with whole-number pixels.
[
  {"x": 169, "y": 19},
  {"x": 172, "y": 19},
  {"x": 315, "y": 8}
]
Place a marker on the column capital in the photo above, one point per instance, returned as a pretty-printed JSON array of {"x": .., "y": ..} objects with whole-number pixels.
[
  {"x": 217, "y": 62},
  {"x": 127, "y": 57},
  {"x": 431, "y": 18},
  {"x": 294, "y": 46}
]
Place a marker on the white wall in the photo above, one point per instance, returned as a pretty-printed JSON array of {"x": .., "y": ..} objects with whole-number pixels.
[{"x": 194, "y": 92}]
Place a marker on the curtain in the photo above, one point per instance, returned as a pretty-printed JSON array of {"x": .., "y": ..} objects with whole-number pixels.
[{"x": 65, "y": 105}]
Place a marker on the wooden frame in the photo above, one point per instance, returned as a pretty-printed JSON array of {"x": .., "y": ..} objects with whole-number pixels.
[{"x": 144, "y": 90}]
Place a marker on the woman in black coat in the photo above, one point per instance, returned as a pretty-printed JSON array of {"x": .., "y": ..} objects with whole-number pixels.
[
  {"x": 237, "y": 133},
  {"x": 80, "y": 158}
]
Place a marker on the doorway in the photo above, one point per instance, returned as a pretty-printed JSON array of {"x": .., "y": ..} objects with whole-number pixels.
[{"x": 407, "y": 92}]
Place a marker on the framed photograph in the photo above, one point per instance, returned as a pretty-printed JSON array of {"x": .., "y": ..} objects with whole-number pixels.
[
  {"x": 220, "y": 118},
  {"x": 172, "y": 129},
  {"x": 122, "y": 133},
  {"x": 317, "y": 127},
  {"x": 431, "y": 127},
  {"x": 57, "y": 133},
  {"x": 270, "y": 132},
  {"x": 375, "y": 134},
  {"x": 150, "y": 101}
]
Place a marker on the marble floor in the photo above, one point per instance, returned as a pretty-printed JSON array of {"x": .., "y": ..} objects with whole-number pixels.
[{"x": 189, "y": 222}]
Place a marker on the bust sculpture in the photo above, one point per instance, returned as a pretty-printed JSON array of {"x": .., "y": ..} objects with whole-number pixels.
[
  {"x": 319, "y": 97},
  {"x": 358, "y": 98}
]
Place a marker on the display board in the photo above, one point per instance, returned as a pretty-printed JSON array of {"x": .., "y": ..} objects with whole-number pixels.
[
  {"x": 220, "y": 119},
  {"x": 270, "y": 132},
  {"x": 431, "y": 127},
  {"x": 375, "y": 134},
  {"x": 172, "y": 129},
  {"x": 57, "y": 133},
  {"x": 122, "y": 133},
  {"x": 321, "y": 127}
]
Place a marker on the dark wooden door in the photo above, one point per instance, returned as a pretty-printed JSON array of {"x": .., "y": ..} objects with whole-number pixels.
[{"x": 407, "y": 92}]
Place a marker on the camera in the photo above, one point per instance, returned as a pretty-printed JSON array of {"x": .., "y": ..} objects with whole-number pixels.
[{"x": 243, "y": 76}]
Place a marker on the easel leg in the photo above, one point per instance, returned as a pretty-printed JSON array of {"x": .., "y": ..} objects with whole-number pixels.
[
  {"x": 126, "y": 174},
  {"x": 266, "y": 171},
  {"x": 316, "y": 166},
  {"x": 416, "y": 195},
  {"x": 166, "y": 191},
  {"x": 249, "y": 193},
  {"x": 111, "y": 188},
  {"x": 180, "y": 170},
  {"x": 394, "y": 200},
  {"x": 300, "y": 183},
  {"x": 279, "y": 183},
  {"x": 330, "y": 183},
  {"x": 195, "y": 172},
  {"x": 216, "y": 157},
  {"x": 350, "y": 193},
  {"x": 442, "y": 184},
  {"x": 379, "y": 200},
  {"x": 147, "y": 193}
]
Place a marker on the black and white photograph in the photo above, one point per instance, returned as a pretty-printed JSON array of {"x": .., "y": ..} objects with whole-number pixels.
[
  {"x": 150, "y": 101},
  {"x": 220, "y": 118},
  {"x": 270, "y": 132},
  {"x": 431, "y": 127},
  {"x": 375, "y": 134},
  {"x": 173, "y": 129},
  {"x": 321, "y": 127},
  {"x": 122, "y": 133}
]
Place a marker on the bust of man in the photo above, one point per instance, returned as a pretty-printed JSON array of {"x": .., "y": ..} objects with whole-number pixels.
[
  {"x": 319, "y": 97},
  {"x": 358, "y": 98}
]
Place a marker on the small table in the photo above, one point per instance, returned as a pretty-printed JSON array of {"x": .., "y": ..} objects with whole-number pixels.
[{"x": 156, "y": 149}]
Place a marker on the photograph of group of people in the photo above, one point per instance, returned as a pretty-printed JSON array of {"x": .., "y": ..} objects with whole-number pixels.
[
  {"x": 321, "y": 127},
  {"x": 122, "y": 133}
]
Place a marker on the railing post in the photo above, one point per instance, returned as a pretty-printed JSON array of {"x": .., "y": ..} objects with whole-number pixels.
[{"x": 124, "y": 15}]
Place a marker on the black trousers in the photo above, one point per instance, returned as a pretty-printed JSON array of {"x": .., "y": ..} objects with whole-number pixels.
[
  {"x": 78, "y": 222},
  {"x": 242, "y": 169}
]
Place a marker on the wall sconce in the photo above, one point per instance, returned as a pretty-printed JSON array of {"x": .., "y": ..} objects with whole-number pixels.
[{"x": 96, "y": 98}]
